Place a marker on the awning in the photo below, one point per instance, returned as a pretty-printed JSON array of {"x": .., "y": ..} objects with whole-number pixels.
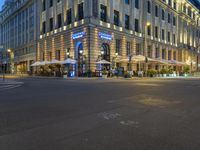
[
  {"x": 37, "y": 63},
  {"x": 69, "y": 61},
  {"x": 103, "y": 62},
  {"x": 54, "y": 61},
  {"x": 44, "y": 63}
]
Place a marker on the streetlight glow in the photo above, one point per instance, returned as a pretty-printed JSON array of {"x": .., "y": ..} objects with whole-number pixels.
[
  {"x": 148, "y": 24},
  {"x": 102, "y": 52},
  {"x": 9, "y": 50}
]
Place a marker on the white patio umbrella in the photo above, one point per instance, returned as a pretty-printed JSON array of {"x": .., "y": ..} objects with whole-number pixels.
[
  {"x": 54, "y": 61},
  {"x": 44, "y": 63},
  {"x": 175, "y": 62},
  {"x": 37, "y": 63},
  {"x": 141, "y": 58},
  {"x": 103, "y": 62},
  {"x": 69, "y": 61}
]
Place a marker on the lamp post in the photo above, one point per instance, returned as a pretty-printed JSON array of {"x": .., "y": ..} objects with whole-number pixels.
[
  {"x": 148, "y": 24},
  {"x": 129, "y": 62},
  {"x": 11, "y": 57},
  {"x": 81, "y": 61},
  {"x": 116, "y": 55}
]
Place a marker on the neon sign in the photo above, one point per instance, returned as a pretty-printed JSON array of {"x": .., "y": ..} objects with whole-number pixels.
[
  {"x": 78, "y": 35},
  {"x": 105, "y": 36}
]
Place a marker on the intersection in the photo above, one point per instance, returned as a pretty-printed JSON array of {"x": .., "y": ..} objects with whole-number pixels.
[{"x": 46, "y": 114}]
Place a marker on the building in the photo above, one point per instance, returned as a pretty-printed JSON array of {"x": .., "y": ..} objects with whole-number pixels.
[
  {"x": 18, "y": 34},
  {"x": 165, "y": 33}
]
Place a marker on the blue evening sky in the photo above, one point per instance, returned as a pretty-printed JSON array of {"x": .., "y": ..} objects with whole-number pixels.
[{"x": 1, "y": 3}]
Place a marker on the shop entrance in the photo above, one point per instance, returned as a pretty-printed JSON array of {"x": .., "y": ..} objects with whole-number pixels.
[
  {"x": 105, "y": 55},
  {"x": 80, "y": 59}
]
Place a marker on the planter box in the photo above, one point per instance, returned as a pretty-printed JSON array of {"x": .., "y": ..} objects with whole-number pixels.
[
  {"x": 185, "y": 75},
  {"x": 65, "y": 76},
  {"x": 164, "y": 75},
  {"x": 105, "y": 76}
]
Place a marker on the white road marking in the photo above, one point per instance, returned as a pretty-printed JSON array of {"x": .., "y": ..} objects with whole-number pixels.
[
  {"x": 130, "y": 123},
  {"x": 109, "y": 116},
  {"x": 8, "y": 87}
]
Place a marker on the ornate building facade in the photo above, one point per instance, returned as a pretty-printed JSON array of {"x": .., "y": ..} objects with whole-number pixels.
[
  {"x": 18, "y": 34},
  {"x": 165, "y": 32}
]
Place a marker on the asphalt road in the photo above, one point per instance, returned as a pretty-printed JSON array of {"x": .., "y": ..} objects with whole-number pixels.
[{"x": 45, "y": 114}]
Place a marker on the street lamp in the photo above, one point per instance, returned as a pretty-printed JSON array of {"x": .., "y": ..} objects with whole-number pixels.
[
  {"x": 148, "y": 24},
  {"x": 81, "y": 58},
  {"x": 11, "y": 57},
  {"x": 116, "y": 55}
]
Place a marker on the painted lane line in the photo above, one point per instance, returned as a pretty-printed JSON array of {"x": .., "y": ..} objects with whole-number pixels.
[{"x": 11, "y": 87}]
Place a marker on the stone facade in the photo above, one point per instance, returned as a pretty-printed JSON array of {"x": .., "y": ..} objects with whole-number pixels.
[
  {"x": 162, "y": 30},
  {"x": 18, "y": 33}
]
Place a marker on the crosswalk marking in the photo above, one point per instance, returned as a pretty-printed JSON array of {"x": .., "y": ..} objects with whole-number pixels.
[{"x": 8, "y": 86}]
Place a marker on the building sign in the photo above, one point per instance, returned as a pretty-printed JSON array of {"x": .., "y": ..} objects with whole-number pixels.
[
  {"x": 105, "y": 36},
  {"x": 78, "y": 35}
]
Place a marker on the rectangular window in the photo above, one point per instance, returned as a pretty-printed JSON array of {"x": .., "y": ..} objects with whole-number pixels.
[
  {"x": 138, "y": 49},
  {"x": 103, "y": 13},
  {"x": 69, "y": 16},
  {"x": 127, "y": 21},
  {"x": 128, "y": 48},
  {"x": 50, "y": 3},
  {"x": 163, "y": 34},
  {"x": 44, "y": 27},
  {"x": 149, "y": 30},
  {"x": 51, "y": 24},
  {"x": 157, "y": 52},
  {"x": 156, "y": 11},
  {"x": 163, "y": 14},
  {"x": 80, "y": 11},
  {"x": 174, "y": 55},
  {"x": 127, "y": 2},
  {"x": 156, "y": 32},
  {"x": 169, "y": 55},
  {"x": 57, "y": 54},
  {"x": 44, "y": 5},
  {"x": 137, "y": 4},
  {"x": 163, "y": 53},
  {"x": 59, "y": 17},
  {"x": 174, "y": 38},
  {"x": 148, "y": 6},
  {"x": 169, "y": 18},
  {"x": 136, "y": 25},
  {"x": 174, "y": 21},
  {"x": 118, "y": 46},
  {"x": 149, "y": 51},
  {"x": 116, "y": 18},
  {"x": 169, "y": 38}
]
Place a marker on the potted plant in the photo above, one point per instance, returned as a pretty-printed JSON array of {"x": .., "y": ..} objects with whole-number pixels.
[
  {"x": 186, "y": 70},
  {"x": 170, "y": 72},
  {"x": 127, "y": 74},
  {"x": 104, "y": 74},
  {"x": 163, "y": 72},
  {"x": 151, "y": 73}
]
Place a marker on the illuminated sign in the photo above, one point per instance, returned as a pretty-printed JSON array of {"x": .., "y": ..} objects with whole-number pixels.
[
  {"x": 105, "y": 36},
  {"x": 78, "y": 35}
]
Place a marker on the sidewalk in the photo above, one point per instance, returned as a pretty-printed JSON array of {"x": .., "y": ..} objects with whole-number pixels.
[{"x": 9, "y": 78}]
